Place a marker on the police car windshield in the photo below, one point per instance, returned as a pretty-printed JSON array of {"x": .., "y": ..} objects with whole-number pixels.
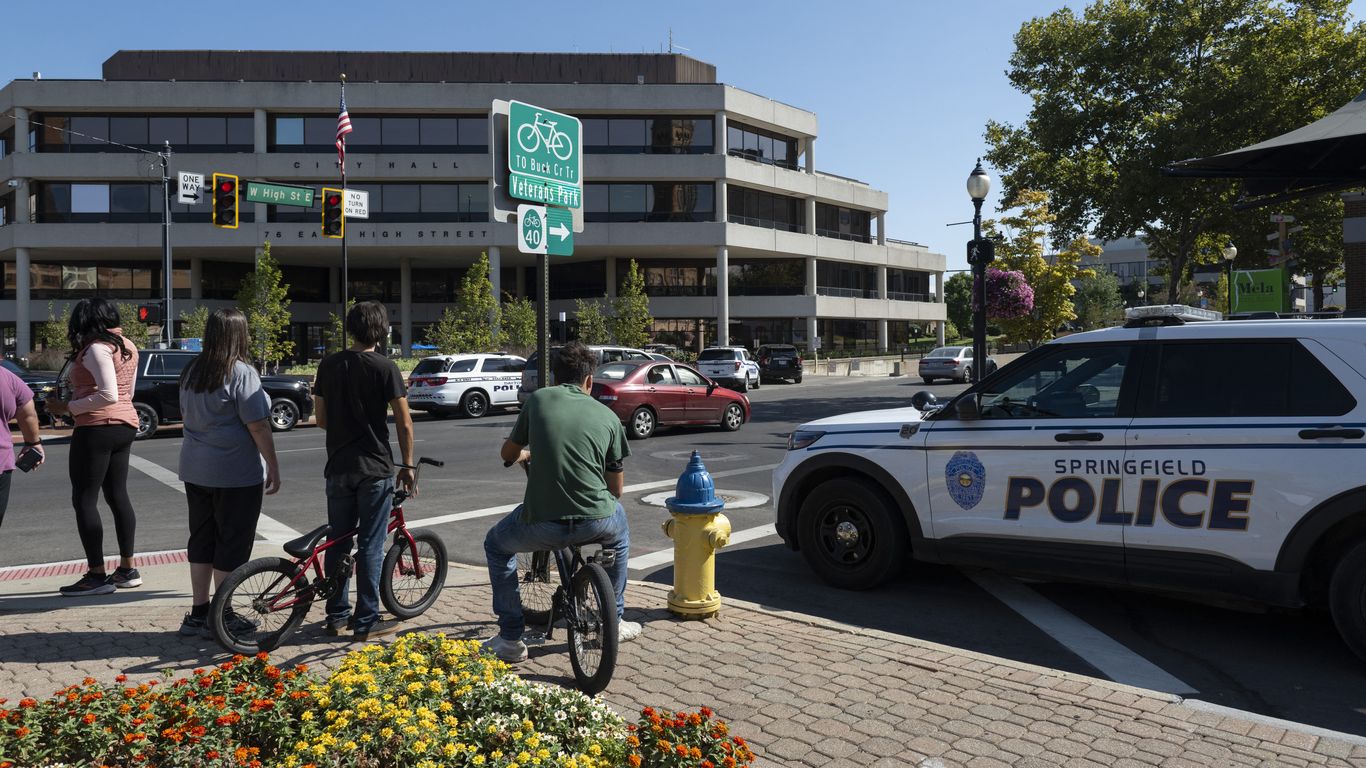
[{"x": 429, "y": 365}]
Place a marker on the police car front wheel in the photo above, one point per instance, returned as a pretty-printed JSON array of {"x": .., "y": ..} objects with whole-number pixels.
[
  {"x": 1347, "y": 598},
  {"x": 474, "y": 404},
  {"x": 850, "y": 534}
]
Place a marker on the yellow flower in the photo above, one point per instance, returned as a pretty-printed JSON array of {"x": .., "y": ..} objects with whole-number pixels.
[
  {"x": 300, "y": 746},
  {"x": 307, "y": 715},
  {"x": 386, "y": 733},
  {"x": 445, "y": 706},
  {"x": 350, "y": 746},
  {"x": 420, "y": 746},
  {"x": 594, "y": 750},
  {"x": 524, "y": 756},
  {"x": 449, "y": 750},
  {"x": 478, "y": 760}
]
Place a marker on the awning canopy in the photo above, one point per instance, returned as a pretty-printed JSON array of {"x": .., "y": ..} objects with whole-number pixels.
[{"x": 1326, "y": 155}]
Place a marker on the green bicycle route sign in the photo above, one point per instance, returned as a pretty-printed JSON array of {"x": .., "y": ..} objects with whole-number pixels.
[
  {"x": 543, "y": 230},
  {"x": 545, "y": 158}
]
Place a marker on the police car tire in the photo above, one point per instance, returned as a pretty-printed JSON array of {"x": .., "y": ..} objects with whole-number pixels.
[
  {"x": 474, "y": 404},
  {"x": 1347, "y": 598},
  {"x": 882, "y": 534}
]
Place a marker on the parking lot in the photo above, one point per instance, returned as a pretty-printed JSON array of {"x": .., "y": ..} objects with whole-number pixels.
[{"x": 1266, "y": 663}]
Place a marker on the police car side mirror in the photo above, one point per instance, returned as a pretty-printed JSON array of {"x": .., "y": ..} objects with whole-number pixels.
[
  {"x": 968, "y": 407},
  {"x": 923, "y": 399}
]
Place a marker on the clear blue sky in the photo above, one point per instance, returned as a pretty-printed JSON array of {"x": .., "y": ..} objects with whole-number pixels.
[{"x": 893, "y": 73}]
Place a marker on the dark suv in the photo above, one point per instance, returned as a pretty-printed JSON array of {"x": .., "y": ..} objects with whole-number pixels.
[
  {"x": 779, "y": 361},
  {"x": 156, "y": 395}
]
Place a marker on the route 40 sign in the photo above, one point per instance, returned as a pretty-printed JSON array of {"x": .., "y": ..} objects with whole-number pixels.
[
  {"x": 544, "y": 230},
  {"x": 545, "y": 158}
]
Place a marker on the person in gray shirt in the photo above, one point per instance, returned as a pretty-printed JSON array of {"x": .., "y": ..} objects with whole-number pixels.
[{"x": 227, "y": 461}]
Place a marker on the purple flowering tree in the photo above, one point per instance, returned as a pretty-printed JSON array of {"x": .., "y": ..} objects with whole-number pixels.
[{"x": 1008, "y": 295}]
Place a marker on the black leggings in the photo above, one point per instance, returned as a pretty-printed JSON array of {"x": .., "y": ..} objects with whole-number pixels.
[{"x": 99, "y": 460}]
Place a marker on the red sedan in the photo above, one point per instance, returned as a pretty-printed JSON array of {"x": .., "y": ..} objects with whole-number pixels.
[{"x": 646, "y": 394}]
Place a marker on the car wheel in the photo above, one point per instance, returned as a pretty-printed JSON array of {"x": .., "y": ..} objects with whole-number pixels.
[
  {"x": 967, "y": 374},
  {"x": 1347, "y": 598},
  {"x": 148, "y": 421},
  {"x": 797, "y": 380},
  {"x": 744, "y": 384},
  {"x": 474, "y": 404},
  {"x": 758, "y": 382},
  {"x": 927, "y": 379},
  {"x": 284, "y": 414},
  {"x": 733, "y": 417},
  {"x": 851, "y": 534},
  {"x": 642, "y": 423}
]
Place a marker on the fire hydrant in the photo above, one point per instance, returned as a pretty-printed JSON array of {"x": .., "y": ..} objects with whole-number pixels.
[{"x": 698, "y": 529}]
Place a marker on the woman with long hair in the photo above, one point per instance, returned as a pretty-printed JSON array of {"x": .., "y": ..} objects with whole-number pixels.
[
  {"x": 227, "y": 460},
  {"x": 102, "y": 368}
]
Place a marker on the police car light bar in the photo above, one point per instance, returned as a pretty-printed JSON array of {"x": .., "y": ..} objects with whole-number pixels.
[{"x": 1176, "y": 313}]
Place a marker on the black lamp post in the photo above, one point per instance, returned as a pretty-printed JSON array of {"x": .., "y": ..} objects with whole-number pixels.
[
  {"x": 980, "y": 253},
  {"x": 1230, "y": 253}
]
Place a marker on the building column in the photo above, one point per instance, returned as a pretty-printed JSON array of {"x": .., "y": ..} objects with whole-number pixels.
[
  {"x": 405, "y": 303},
  {"x": 811, "y": 154},
  {"x": 882, "y": 282},
  {"x": 810, "y": 216},
  {"x": 882, "y": 228},
  {"x": 23, "y": 318},
  {"x": 883, "y": 338},
  {"x": 196, "y": 279},
  {"x": 611, "y": 272},
  {"x": 260, "y": 138},
  {"x": 810, "y": 275},
  {"x": 722, "y": 296},
  {"x": 939, "y": 299},
  {"x": 719, "y": 133},
  {"x": 20, "y": 130},
  {"x": 722, "y": 201},
  {"x": 811, "y": 333},
  {"x": 333, "y": 285}
]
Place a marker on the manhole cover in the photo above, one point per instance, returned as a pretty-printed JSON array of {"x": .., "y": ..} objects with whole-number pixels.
[{"x": 733, "y": 499}]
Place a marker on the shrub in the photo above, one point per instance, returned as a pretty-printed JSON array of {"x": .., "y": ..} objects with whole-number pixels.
[{"x": 685, "y": 740}]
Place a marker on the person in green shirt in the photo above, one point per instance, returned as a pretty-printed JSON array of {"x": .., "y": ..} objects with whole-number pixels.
[{"x": 571, "y": 493}]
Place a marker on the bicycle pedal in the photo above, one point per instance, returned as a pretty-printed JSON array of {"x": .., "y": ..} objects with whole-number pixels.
[
  {"x": 535, "y": 638},
  {"x": 606, "y": 558}
]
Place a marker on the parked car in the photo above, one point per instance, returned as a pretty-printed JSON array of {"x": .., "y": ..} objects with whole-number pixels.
[
  {"x": 660, "y": 357},
  {"x": 779, "y": 361},
  {"x": 731, "y": 366},
  {"x": 954, "y": 363},
  {"x": 603, "y": 352},
  {"x": 470, "y": 385},
  {"x": 42, "y": 384},
  {"x": 156, "y": 393},
  {"x": 646, "y": 394}
]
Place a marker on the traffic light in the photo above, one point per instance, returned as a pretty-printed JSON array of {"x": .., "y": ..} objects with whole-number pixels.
[
  {"x": 334, "y": 219},
  {"x": 225, "y": 200},
  {"x": 149, "y": 314}
]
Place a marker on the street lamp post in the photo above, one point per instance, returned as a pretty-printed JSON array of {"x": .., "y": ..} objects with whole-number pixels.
[
  {"x": 980, "y": 253},
  {"x": 1230, "y": 253}
]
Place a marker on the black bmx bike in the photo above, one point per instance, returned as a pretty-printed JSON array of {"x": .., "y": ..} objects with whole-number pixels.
[
  {"x": 263, "y": 601},
  {"x": 582, "y": 601}
]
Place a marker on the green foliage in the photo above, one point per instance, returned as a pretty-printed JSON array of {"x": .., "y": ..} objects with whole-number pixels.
[
  {"x": 52, "y": 334},
  {"x": 951, "y": 331},
  {"x": 334, "y": 335},
  {"x": 1150, "y": 82},
  {"x": 473, "y": 326},
  {"x": 1051, "y": 278},
  {"x": 518, "y": 329},
  {"x": 593, "y": 326},
  {"x": 631, "y": 321},
  {"x": 1317, "y": 247},
  {"x": 958, "y": 299},
  {"x": 1219, "y": 299},
  {"x": 1097, "y": 302},
  {"x": 134, "y": 331},
  {"x": 264, "y": 299},
  {"x": 193, "y": 322},
  {"x": 445, "y": 333}
]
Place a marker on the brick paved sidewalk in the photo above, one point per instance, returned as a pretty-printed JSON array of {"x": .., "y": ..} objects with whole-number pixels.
[{"x": 805, "y": 692}]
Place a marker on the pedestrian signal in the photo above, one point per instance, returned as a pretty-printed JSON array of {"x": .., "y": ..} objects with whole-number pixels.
[
  {"x": 149, "y": 313},
  {"x": 225, "y": 200},
  {"x": 334, "y": 219}
]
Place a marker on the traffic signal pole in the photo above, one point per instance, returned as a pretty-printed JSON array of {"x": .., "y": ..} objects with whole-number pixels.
[{"x": 168, "y": 318}]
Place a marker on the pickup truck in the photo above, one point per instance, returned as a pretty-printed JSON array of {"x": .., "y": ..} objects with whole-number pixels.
[
  {"x": 156, "y": 393},
  {"x": 730, "y": 366}
]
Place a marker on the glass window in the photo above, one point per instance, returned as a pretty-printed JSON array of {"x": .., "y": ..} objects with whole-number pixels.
[
  {"x": 163, "y": 129},
  {"x": 440, "y": 131},
  {"x": 1071, "y": 383},
  {"x": 474, "y": 201},
  {"x": 662, "y": 375},
  {"x": 629, "y": 198},
  {"x": 1317, "y": 391},
  {"x": 56, "y": 198},
  {"x": 320, "y": 131},
  {"x": 88, "y": 129},
  {"x": 613, "y": 371},
  {"x": 79, "y": 278},
  {"x": 627, "y": 133},
  {"x": 464, "y": 366},
  {"x": 689, "y": 378},
  {"x": 90, "y": 198},
  {"x": 128, "y": 130},
  {"x": 735, "y": 138},
  {"x": 429, "y": 365},
  {"x": 1245, "y": 378},
  {"x": 401, "y": 198},
  {"x": 172, "y": 365},
  {"x": 129, "y": 198},
  {"x": 289, "y": 130},
  {"x": 365, "y": 132},
  {"x": 242, "y": 131},
  {"x": 208, "y": 131},
  {"x": 595, "y": 132},
  {"x": 474, "y": 131},
  {"x": 595, "y": 198},
  {"x": 400, "y": 131},
  {"x": 441, "y": 198}
]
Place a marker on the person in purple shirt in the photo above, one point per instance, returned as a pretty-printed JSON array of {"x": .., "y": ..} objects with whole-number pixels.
[{"x": 16, "y": 404}]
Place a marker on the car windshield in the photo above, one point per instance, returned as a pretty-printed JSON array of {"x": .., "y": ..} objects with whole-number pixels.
[
  {"x": 716, "y": 354},
  {"x": 945, "y": 352},
  {"x": 613, "y": 371},
  {"x": 429, "y": 365}
]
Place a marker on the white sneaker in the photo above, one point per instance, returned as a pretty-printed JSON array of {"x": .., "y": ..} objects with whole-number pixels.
[
  {"x": 628, "y": 630},
  {"x": 510, "y": 651}
]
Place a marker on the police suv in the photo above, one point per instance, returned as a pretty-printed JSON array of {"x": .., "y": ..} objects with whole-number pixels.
[
  {"x": 1223, "y": 458},
  {"x": 468, "y": 385}
]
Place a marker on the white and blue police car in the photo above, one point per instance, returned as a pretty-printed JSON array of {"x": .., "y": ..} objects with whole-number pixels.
[
  {"x": 466, "y": 385},
  {"x": 1221, "y": 458}
]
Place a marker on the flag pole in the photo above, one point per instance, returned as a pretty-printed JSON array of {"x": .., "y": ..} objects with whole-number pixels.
[{"x": 345, "y": 285}]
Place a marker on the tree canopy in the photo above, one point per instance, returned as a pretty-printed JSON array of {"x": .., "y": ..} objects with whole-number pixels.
[
  {"x": 631, "y": 321},
  {"x": 264, "y": 299}
]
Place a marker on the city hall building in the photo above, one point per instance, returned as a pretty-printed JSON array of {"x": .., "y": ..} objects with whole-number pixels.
[{"x": 712, "y": 189}]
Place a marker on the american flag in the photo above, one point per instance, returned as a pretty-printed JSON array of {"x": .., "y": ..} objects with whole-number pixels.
[{"x": 343, "y": 128}]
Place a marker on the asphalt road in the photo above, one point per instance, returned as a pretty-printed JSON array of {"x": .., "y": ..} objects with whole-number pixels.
[{"x": 1288, "y": 666}]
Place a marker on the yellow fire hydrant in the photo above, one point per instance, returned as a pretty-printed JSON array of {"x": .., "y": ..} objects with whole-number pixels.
[{"x": 698, "y": 529}]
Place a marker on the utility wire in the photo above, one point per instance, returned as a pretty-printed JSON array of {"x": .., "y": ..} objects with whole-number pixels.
[{"x": 98, "y": 139}]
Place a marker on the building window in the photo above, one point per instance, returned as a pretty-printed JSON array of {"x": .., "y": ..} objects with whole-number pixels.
[
  {"x": 757, "y": 208},
  {"x": 905, "y": 285},
  {"x": 186, "y": 133},
  {"x": 648, "y": 135},
  {"x": 760, "y": 145},
  {"x": 582, "y": 280},
  {"x": 398, "y": 203},
  {"x": 126, "y": 203},
  {"x": 767, "y": 277},
  {"x": 839, "y": 335},
  {"x": 664, "y": 201},
  {"x": 306, "y": 283},
  {"x": 752, "y": 333},
  {"x": 70, "y": 282},
  {"x": 380, "y": 133},
  {"x": 844, "y": 223},
  {"x": 672, "y": 277},
  {"x": 836, "y": 278}
]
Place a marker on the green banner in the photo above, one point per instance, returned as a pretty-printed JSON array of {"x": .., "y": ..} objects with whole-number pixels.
[{"x": 1260, "y": 290}]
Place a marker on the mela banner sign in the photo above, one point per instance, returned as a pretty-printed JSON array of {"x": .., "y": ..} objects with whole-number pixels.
[{"x": 1260, "y": 289}]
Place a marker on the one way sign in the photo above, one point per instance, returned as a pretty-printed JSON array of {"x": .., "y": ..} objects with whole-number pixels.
[{"x": 191, "y": 187}]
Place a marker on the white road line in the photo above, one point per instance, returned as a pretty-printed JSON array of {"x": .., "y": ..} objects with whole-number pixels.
[
  {"x": 666, "y": 556},
  {"x": 1093, "y": 646},
  {"x": 267, "y": 527}
]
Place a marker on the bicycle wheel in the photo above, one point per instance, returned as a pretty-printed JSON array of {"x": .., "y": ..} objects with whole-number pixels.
[
  {"x": 593, "y": 629},
  {"x": 565, "y": 143},
  {"x": 533, "y": 140},
  {"x": 533, "y": 576},
  {"x": 260, "y": 604},
  {"x": 406, "y": 590}
]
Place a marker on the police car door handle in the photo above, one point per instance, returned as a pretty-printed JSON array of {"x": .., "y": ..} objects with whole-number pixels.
[
  {"x": 1315, "y": 434},
  {"x": 1078, "y": 437}
]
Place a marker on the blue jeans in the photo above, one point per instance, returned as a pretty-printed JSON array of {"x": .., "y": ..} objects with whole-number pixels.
[
  {"x": 511, "y": 536},
  {"x": 363, "y": 503}
]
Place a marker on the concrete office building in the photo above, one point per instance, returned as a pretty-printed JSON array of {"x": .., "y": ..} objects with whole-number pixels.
[{"x": 712, "y": 189}]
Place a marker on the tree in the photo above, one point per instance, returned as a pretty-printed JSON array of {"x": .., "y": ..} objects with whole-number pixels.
[
  {"x": 1098, "y": 302},
  {"x": 1130, "y": 86},
  {"x": 631, "y": 322},
  {"x": 958, "y": 299},
  {"x": 445, "y": 334},
  {"x": 334, "y": 334},
  {"x": 1022, "y": 251},
  {"x": 52, "y": 334},
  {"x": 192, "y": 323},
  {"x": 1219, "y": 298},
  {"x": 1317, "y": 247},
  {"x": 518, "y": 328},
  {"x": 264, "y": 299},
  {"x": 592, "y": 322},
  {"x": 476, "y": 310}
]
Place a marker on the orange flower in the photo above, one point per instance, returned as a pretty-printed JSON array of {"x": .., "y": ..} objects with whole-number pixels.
[
  {"x": 272, "y": 672},
  {"x": 632, "y": 740},
  {"x": 263, "y": 656},
  {"x": 240, "y": 688},
  {"x": 211, "y": 754},
  {"x": 695, "y": 752},
  {"x": 22, "y": 732},
  {"x": 129, "y": 738},
  {"x": 694, "y": 719},
  {"x": 706, "y": 711},
  {"x": 88, "y": 681},
  {"x": 633, "y": 761},
  {"x": 198, "y": 671},
  {"x": 228, "y": 719},
  {"x": 89, "y": 718},
  {"x": 120, "y": 678},
  {"x": 240, "y": 753},
  {"x": 260, "y": 704},
  {"x": 27, "y": 703},
  {"x": 707, "y": 764},
  {"x": 681, "y": 750},
  {"x": 205, "y": 682},
  {"x": 302, "y": 668},
  {"x": 728, "y": 762}
]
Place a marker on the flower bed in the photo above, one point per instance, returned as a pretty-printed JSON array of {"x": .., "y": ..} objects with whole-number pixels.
[{"x": 424, "y": 700}]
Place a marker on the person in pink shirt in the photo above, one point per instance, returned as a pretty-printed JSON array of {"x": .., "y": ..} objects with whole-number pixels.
[
  {"x": 16, "y": 404},
  {"x": 102, "y": 370}
]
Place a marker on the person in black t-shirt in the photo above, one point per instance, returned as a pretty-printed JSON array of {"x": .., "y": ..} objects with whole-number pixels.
[{"x": 354, "y": 391}]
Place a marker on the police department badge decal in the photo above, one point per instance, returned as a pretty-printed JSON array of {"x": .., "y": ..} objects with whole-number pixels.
[{"x": 965, "y": 478}]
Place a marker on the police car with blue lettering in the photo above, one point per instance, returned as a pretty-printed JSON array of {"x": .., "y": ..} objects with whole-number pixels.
[
  {"x": 468, "y": 385},
  {"x": 1223, "y": 458}
]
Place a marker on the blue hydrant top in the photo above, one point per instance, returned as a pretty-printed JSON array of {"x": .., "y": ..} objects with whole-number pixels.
[{"x": 695, "y": 494}]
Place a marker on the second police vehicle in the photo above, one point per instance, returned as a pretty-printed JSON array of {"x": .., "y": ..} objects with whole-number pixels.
[
  {"x": 465, "y": 385},
  {"x": 1218, "y": 458}
]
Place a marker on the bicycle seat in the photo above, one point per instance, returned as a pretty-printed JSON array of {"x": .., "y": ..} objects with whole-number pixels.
[{"x": 302, "y": 546}]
